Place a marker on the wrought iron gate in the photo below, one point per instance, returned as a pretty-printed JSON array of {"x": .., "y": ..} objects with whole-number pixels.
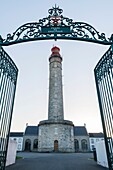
[
  {"x": 8, "y": 79},
  {"x": 104, "y": 84}
]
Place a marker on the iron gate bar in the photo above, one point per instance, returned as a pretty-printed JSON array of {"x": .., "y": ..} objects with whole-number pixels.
[
  {"x": 108, "y": 110},
  {"x": 3, "y": 123},
  {"x": 3, "y": 99},
  {"x": 9, "y": 123},
  {"x": 5, "y": 117},
  {"x": 56, "y": 26}
]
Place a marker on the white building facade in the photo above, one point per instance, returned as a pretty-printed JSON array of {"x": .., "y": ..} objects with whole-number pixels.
[
  {"x": 18, "y": 137},
  {"x": 94, "y": 138}
]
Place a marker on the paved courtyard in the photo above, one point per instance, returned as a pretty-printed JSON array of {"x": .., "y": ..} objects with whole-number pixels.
[{"x": 55, "y": 161}]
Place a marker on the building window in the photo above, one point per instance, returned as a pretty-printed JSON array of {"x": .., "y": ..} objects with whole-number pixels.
[
  {"x": 19, "y": 147},
  {"x": 93, "y": 146},
  {"x": 76, "y": 142},
  {"x": 97, "y": 140},
  {"x": 92, "y": 140},
  {"x": 84, "y": 145},
  {"x": 35, "y": 144},
  {"x": 19, "y": 140}
]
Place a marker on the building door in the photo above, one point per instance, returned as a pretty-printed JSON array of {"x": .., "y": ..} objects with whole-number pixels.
[
  {"x": 56, "y": 146},
  {"x": 28, "y": 145},
  {"x": 84, "y": 145}
]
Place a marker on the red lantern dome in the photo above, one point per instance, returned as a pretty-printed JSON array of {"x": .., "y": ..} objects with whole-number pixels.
[{"x": 55, "y": 51}]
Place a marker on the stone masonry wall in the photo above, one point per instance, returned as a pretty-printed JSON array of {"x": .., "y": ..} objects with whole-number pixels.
[
  {"x": 48, "y": 133},
  {"x": 55, "y": 109},
  {"x": 32, "y": 138},
  {"x": 80, "y": 138}
]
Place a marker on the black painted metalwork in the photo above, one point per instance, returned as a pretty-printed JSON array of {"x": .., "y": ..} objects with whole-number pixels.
[
  {"x": 56, "y": 26},
  {"x": 104, "y": 84},
  {"x": 8, "y": 79}
]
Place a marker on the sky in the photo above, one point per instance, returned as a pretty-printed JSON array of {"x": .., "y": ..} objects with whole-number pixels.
[{"x": 79, "y": 61}]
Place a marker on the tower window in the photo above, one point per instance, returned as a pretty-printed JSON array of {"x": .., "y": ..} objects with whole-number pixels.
[
  {"x": 39, "y": 132},
  {"x": 55, "y": 75},
  {"x": 55, "y": 64},
  {"x": 55, "y": 95},
  {"x": 56, "y": 130},
  {"x": 55, "y": 84}
]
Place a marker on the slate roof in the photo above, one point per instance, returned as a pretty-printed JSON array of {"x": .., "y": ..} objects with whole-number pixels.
[
  {"x": 31, "y": 130},
  {"x": 16, "y": 134},
  {"x": 80, "y": 131},
  {"x": 96, "y": 135}
]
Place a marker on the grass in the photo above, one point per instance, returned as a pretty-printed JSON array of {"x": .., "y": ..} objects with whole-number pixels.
[{"x": 19, "y": 157}]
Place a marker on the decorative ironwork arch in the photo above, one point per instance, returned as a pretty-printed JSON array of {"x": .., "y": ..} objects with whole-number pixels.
[{"x": 56, "y": 26}]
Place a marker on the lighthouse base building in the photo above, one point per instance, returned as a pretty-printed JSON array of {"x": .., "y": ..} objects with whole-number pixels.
[
  {"x": 55, "y": 134},
  {"x": 56, "y": 137}
]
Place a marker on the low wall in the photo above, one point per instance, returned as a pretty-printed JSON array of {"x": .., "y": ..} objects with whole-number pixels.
[
  {"x": 101, "y": 154},
  {"x": 11, "y": 153}
]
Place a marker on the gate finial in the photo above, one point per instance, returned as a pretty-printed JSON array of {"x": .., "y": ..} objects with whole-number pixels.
[{"x": 55, "y": 11}]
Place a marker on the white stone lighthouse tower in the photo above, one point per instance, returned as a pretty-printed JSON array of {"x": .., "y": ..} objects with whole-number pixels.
[
  {"x": 55, "y": 109},
  {"x": 55, "y": 134}
]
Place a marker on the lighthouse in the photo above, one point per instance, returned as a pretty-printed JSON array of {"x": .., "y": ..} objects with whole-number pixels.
[
  {"x": 55, "y": 108},
  {"x": 55, "y": 134}
]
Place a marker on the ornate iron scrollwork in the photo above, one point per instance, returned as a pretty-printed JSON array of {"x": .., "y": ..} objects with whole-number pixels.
[
  {"x": 7, "y": 66},
  {"x": 56, "y": 26},
  {"x": 104, "y": 65}
]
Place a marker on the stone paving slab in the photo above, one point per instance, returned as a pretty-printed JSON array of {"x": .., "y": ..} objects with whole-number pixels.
[{"x": 56, "y": 161}]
